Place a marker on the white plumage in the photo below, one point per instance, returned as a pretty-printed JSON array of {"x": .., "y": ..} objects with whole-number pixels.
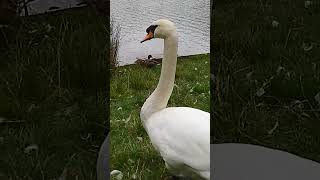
[
  {"x": 183, "y": 143},
  {"x": 180, "y": 134}
]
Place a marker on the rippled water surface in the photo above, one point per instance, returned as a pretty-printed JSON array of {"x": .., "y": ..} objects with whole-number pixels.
[{"x": 191, "y": 17}]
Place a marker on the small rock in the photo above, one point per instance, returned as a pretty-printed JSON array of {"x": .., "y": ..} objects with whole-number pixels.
[{"x": 118, "y": 174}]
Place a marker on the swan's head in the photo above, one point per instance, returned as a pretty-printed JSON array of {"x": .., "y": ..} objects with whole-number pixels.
[{"x": 161, "y": 28}]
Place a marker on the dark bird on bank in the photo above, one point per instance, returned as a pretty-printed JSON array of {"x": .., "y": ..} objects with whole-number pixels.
[{"x": 150, "y": 62}]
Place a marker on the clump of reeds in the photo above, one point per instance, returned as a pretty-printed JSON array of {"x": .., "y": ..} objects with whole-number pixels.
[{"x": 114, "y": 46}]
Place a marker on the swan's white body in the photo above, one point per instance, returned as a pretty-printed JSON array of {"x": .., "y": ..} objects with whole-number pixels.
[
  {"x": 180, "y": 134},
  {"x": 103, "y": 161},
  {"x": 182, "y": 142},
  {"x": 233, "y": 161}
]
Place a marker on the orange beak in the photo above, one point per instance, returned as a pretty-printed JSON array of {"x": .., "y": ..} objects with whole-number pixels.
[{"x": 148, "y": 37}]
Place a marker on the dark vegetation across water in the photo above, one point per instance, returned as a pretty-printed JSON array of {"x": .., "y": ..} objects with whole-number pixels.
[
  {"x": 53, "y": 95},
  {"x": 267, "y": 74}
]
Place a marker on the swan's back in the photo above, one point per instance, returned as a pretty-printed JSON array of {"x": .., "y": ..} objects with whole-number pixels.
[
  {"x": 251, "y": 162},
  {"x": 182, "y": 136}
]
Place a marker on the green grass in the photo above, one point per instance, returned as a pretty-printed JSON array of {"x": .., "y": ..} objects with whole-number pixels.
[
  {"x": 267, "y": 79},
  {"x": 53, "y": 95},
  {"x": 132, "y": 152}
]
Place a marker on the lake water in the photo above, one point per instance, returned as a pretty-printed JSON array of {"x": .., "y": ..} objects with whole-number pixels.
[{"x": 191, "y": 17}]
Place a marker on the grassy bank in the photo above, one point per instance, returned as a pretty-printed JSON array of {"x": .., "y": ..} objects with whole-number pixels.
[
  {"x": 53, "y": 111},
  {"x": 267, "y": 71},
  {"x": 132, "y": 152}
]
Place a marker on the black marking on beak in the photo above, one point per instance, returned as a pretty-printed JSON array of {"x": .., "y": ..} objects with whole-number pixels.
[
  {"x": 151, "y": 28},
  {"x": 150, "y": 33}
]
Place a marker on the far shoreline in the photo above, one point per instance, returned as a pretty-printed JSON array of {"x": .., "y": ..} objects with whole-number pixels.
[{"x": 179, "y": 58}]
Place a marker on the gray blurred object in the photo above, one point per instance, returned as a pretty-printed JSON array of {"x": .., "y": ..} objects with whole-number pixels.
[
  {"x": 103, "y": 172},
  {"x": 233, "y": 161}
]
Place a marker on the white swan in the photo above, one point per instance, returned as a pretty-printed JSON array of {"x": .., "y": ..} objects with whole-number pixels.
[
  {"x": 103, "y": 161},
  {"x": 180, "y": 134},
  {"x": 232, "y": 161}
]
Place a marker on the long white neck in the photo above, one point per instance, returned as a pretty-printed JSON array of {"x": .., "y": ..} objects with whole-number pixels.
[{"x": 159, "y": 98}]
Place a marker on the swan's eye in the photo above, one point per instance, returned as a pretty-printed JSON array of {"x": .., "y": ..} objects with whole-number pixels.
[{"x": 151, "y": 28}]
